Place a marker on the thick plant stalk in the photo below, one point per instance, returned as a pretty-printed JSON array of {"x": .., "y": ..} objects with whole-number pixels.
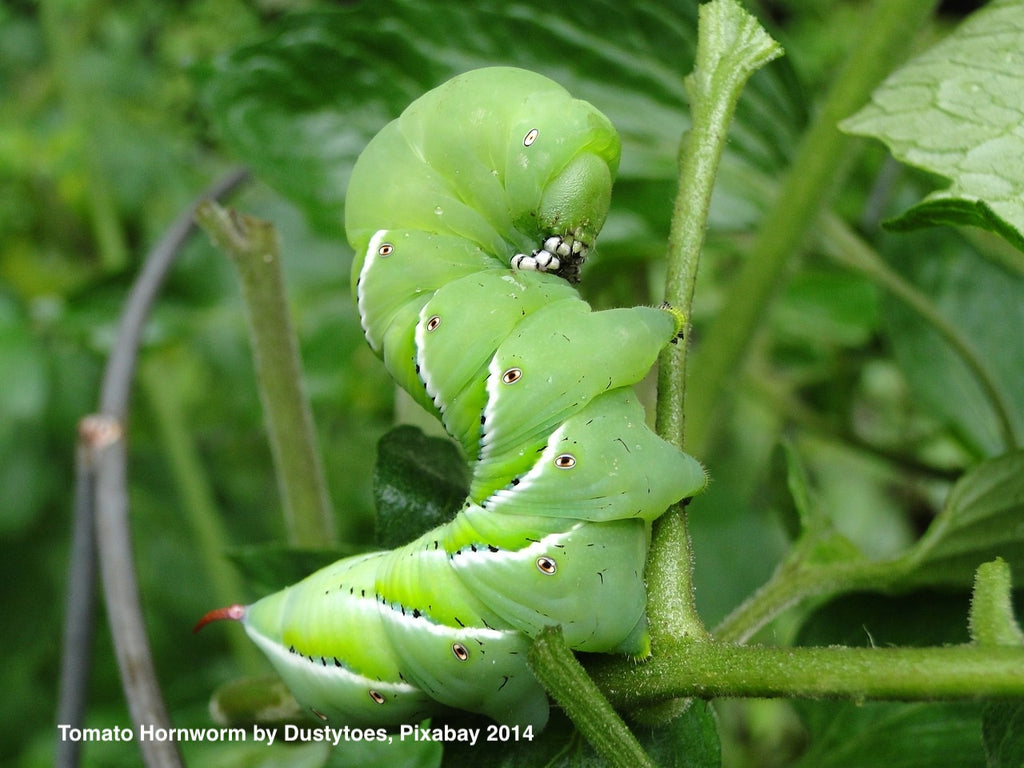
[
  {"x": 713, "y": 669},
  {"x": 731, "y": 46},
  {"x": 567, "y": 682},
  {"x": 253, "y": 248}
]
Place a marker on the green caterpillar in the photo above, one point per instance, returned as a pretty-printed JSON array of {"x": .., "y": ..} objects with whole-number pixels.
[{"x": 470, "y": 216}]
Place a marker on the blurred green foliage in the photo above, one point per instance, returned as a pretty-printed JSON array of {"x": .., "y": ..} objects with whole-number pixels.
[{"x": 112, "y": 116}]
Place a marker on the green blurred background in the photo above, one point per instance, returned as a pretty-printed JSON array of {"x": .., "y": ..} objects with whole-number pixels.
[{"x": 113, "y": 116}]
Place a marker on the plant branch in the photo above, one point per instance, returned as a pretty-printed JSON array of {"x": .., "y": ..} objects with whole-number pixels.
[
  {"x": 80, "y": 604},
  {"x": 101, "y": 494},
  {"x": 115, "y": 391},
  {"x": 709, "y": 670},
  {"x": 565, "y": 679},
  {"x": 121, "y": 590},
  {"x": 731, "y": 46},
  {"x": 991, "y": 619},
  {"x": 253, "y": 248}
]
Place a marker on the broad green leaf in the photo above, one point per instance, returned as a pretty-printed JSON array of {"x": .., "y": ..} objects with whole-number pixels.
[
  {"x": 559, "y": 744},
  {"x": 923, "y": 735},
  {"x": 1002, "y": 731},
  {"x": 956, "y": 110},
  {"x": 299, "y": 107},
  {"x": 983, "y": 519},
  {"x": 827, "y": 309},
  {"x": 986, "y": 302},
  {"x": 419, "y": 482},
  {"x": 396, "y": 753},
  {"x": 874, "y": 620},
  {"x": 689, "y": 741},
  {"x": 265, "y": 700},
  {"x": 818, "y": 541}
]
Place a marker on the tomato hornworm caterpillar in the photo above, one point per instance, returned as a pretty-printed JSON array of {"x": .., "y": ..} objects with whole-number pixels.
[{"x": 470, "y": 216}]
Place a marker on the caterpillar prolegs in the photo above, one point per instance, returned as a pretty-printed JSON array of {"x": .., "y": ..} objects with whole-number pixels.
[{"x": 470, "y": 215}]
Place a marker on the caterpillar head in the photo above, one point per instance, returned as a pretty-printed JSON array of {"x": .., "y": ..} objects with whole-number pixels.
[
  {"x": 565, "y": 168},
  {"x": 499, "y": 158}
]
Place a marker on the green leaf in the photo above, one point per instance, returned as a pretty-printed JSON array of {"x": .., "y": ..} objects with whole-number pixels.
[
  {"x": 983, "y": 519},
  {"x": 299, "y": 107},
  {"x": 397, "y": 753},
  {"x": 807, "y": 508},
  {"x": 938, "y": 209},
  {"x": 559, "y": 744},
  {"x": 956, "y": 110},
  {"x": 873, "y": 620},
  {"x": 986, "y": 303},
  {"x": 419, "y": 482},
  {"x": 851, "y": 735},
  {"x": 246, "y": 700},
  {"x": 689, "y": 741},
  {"x": 1002, "y": 732}
]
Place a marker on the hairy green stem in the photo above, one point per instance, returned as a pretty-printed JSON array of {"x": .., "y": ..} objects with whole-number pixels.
[
  {"x": 565, "y": 679},
  {"x": 253, "y": 248},
  {"x": 815, "y": 173},
  {"x": 844, "y": 247},
  {"x": 671, "y": 604},
  {"x": 708, "y": 670},
  {"x": 991, "y": 619},
  {"x": 731, "y": 46}
]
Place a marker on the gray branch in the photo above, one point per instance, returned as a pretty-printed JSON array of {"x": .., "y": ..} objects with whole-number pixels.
[{"x": 101, "y": 505}]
